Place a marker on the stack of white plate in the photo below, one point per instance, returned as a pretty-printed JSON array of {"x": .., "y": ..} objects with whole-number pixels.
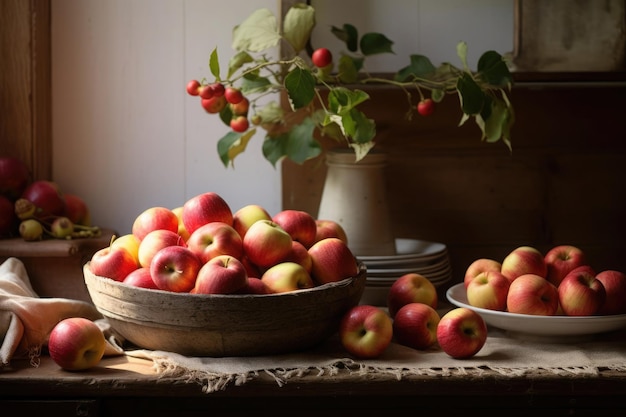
[{"x": 429, "y": 259}]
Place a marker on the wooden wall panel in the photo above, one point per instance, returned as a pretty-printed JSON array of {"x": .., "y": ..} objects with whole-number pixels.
[{"x": 565, "y": 181}]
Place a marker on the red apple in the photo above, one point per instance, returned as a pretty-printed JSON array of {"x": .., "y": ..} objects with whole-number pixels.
[
  {"x": 47, "y": 197},
  {"x": 524, "y": 260},
  {"x": 182, "y": 230},
  {"x": 562, "y": 259},
  {"x": 332, "y": 261},
  {"x": 266, "y": 243},
  {"x": 299, "y": 224},
  {"x": 329, "y": 228},
  {"x": 365, "y": 331},
  {"x": 76, "y": 344},
  {"x": 14, "y": 177},
  {"x": 532, "y": 294},
  {"x": 614, "y": 283},
  {"x": 223, "y": 274},
  {"x": 213, "y": 239},
  {"x": 489, "y": 290},
  {"x": 129, "y": 243},
  {"x": 154, "y": 218},
  {"x": 175, "y": 268},
  {"x": 114, "y": 263},
  {"x": 415, "y": 326},
  {"x": 581, "y": 294},
  {"x": 411, "y": 288},
  {"x": 76, "y": 210},
  {"x": 205, "y": 208},
  {"x": 141, "y": 277},
  {"x": 286, "y": 277},
  {"x": 255, "y": 286},
  {"x": 8, "y": 220},
  {"x": 299, "y": 254},
  {"x": 461, "y": 333},
  {"x": 252, "y": 269},
  {"x": 478, "y": 266},
  {"x": 246, "y": 216},
  {"x": 154, "y": 242}
]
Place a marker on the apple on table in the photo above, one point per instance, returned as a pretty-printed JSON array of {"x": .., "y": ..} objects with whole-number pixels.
[
  {"x": 461, "y": 333},
  {"x": 411, "y": 288},
  {"x": 366, "y": 331},
  {"x": 415, "y": 325},
  {"x": 76, "y": 344}
]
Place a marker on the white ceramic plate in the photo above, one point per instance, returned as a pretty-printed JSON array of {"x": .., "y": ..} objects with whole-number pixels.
[
  {"x": 551, "y": 326},
  {"x": 408, "y": 249}
]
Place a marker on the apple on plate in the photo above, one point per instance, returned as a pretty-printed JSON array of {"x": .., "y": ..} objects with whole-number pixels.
[
  {"x": 329, "y": 228},
  {"x": 76, "y": 344},
  {"x": 332, "y": 261},
  {"x": 223, "y": 274},
  {"x": 175, "y": 268},
  {"x": 213, "y": 239},
  {"x": 286, "y": 277},
  {"x": 562, "y": 259},
  {"x": 266, "y": 243},
  {"x": 154, "y": 242},
  {"x": 524, "y": 260},
  {"x": 478, "y": 266},
  {"x": 461, "y": 333},
  {"x": 411, "y": 288},
  {"x": 154, "y": 218},
  {"x": 581, "y": 294},
  {"x": 247, "y": 215},
  {"x": 299, "y": 224},
  {"x": 533, "y": 294},
  {"x": 205, "y": 208},
  {"x": 366, "y": 331},
  {"x": 114, "y": 263},
  {"x": 488, "y": 290},
  {"x": 615, "y": 288},
  {"x": 415, "y": 325},
  {"x": 141, "y": 277}
]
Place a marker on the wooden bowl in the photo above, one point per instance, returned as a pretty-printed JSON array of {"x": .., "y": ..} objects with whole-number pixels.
[{"x": 224, "y": 325}]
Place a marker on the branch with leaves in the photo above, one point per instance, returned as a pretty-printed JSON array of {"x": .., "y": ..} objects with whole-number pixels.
[{"x": 292, "y": 133}]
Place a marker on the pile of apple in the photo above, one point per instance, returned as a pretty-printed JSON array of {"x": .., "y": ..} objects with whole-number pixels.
[
  {"x": 412, "y": 320},
  {"x": 39, "y": 209},
  {"x": 203, "y": 247},
  {"x": 561, "y": 282}
]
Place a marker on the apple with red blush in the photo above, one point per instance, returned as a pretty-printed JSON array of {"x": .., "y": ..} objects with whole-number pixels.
[
  {"x": 329, "y": 228},
  {"x": 366, "y": 331},
  {"x": 154, "y": 242},
  {"x": 266, "y": 243},
  {"x": 175, "y": 268},
  {"x": 411, "y": 288},
  {"x": 182, "y": 230},
  {"x": 76, "y": 344},
  {"x": 255, "y": 286},
  {"x": 205, "y": 208},
  {"x": 154, "y": 218},
  {"x": 223, "y": 274},
  {"x": 332, "y": 261},
  {"x": 114, "y": 263},
  {"x": 488, "y": 290},
  {"x": 76, "y": 210},
  {"x": 299, "y": 224},
  {"x": 141, "y": 277},
  {"x": 532, "y": 294},
  {"x": 415, "y": 326},
  {"x": 614, "y": 283},
  {"x": 213, "y": 239},
  {"x": 562, "y": 259},
  {"x": 461, "y": 333},
  {"x": 478, "y": 266},
  {"x": 524, "y": 260},
  {"x": 287, "y": 277},
  {"x": 299, "y": 254},
  {"x": 47, "y": 198},
  {"x": 247, "y": 215},
  {"x": 581, "y": 294}
]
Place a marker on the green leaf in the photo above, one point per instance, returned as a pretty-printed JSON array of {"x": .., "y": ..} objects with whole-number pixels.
[
  {"x": 361, "y": 149},
  {"x": 214, "y": 64},
  {"x": 347, "y": 34},
  {"x": 348, "y": 71},
  {"x": 342, "y": 100},
  {"x": 461, "y": 51},
  {"x": 233, "y": 144},
  {"x": 471, "y": 95},
  {"x": 493, "y": 69},
  {"x": 437, "y": 95},
  {"x": 257, "y": 33},
  {"x": 420, "y": 67},
  {"x": 375, "y": 43},
  {"x": 299, "y": 144},
  {"x": 496, "y": 122},
  {"x": 300, "y": 85},
  {"x": 297, "y": 26},
  {"x": 365, "y": 128},
  {"x": 252, "y": 84},
  {"x": 226, "y": 114},
  {"x": 237, "y": 61},
  {"x": 271, "y": 112}
]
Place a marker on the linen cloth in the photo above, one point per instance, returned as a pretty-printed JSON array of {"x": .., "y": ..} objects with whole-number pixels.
[
  {"x": 503, "y": 354},
  {"x": 26, "y": 320}
]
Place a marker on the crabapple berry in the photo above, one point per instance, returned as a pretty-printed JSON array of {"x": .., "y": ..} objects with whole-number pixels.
[
  {"x": 214, "y": 105},
  {"x": 322, "y": 57},
  {"x": 233, "y": 95},
  {"x": 241, "y": 108},
  {"x": 206, "y": 92},
  {"x": 239, "y": 124},
  {"x": 218, "y": 89},
  {"x": 426, "y": 107},
  {"x": 193, "y": 87}
]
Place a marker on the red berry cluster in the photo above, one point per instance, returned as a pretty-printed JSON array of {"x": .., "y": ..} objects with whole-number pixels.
[{"x": 215, "y": 97}]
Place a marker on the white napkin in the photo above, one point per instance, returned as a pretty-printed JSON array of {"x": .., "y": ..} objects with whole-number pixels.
[{"x": 26, "y": 320}]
